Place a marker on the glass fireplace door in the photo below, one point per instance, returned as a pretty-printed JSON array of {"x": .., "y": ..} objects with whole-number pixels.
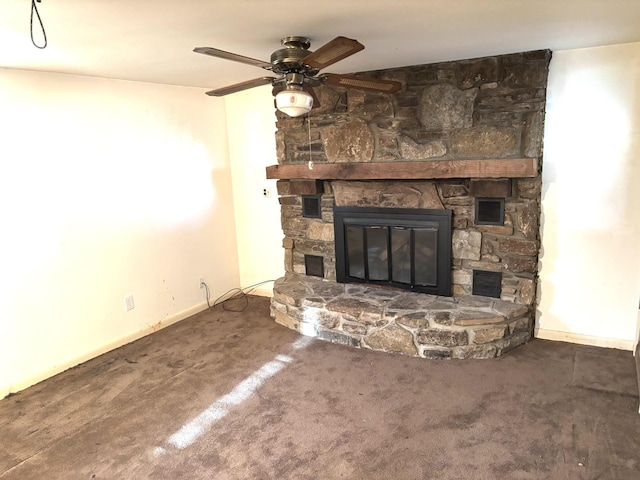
[{"x": 410, "y": 250}]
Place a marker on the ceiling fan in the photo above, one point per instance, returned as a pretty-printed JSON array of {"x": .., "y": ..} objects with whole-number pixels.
[{"x": 298, "y": 70}]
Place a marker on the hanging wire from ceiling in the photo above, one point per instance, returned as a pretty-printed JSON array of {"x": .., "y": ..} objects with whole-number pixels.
[{"x": 34, "y": 8}]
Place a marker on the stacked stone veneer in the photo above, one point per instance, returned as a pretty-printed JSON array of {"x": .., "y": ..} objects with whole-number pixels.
[
  {"x": 474, "y": 109},
  {"x": 400, "y": 322}
]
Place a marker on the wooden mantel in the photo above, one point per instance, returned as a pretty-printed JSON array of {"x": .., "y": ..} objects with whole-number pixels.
[{"x": 480, "y": 168}]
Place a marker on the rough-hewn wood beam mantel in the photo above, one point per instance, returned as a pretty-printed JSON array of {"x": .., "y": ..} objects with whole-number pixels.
[{"x": 484, "y": 168}]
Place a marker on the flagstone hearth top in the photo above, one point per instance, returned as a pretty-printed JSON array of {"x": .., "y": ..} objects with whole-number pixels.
[{"x": 398, "y": 321}]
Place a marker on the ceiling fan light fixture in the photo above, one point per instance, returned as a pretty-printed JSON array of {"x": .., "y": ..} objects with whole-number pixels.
[
  {"x": 297, "y": 68},
  {"x": 294, "y": 102}
]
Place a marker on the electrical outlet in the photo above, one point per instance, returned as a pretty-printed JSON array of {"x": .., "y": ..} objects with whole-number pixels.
[
  {"x": 201, "y": 282},
  {"x": 128, "y": 302},
  {"x": 266, "y": 191}
]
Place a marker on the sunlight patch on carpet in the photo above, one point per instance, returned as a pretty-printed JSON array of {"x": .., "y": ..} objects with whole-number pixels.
[{"x": 191, "y": 431}]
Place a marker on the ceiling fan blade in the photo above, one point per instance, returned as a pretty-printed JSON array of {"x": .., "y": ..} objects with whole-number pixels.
[
  {"x": 332, "y": 52},
  {"x": 238, "y": 87},
  {"x": 214, "y": 52},
  {"x": 361, "y": 83}
]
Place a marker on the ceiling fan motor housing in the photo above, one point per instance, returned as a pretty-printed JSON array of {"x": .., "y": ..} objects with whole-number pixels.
[{"x": 289, "y": 59}]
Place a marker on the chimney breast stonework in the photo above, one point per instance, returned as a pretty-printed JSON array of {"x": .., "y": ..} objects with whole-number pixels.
[{"x": 487, "y": 108}]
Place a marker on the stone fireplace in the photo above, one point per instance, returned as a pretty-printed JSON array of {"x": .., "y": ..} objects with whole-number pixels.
[{"x": 462, "y": 138}]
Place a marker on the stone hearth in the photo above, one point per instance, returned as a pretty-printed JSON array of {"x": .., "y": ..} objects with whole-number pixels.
[{"x": 396, "y": 321}]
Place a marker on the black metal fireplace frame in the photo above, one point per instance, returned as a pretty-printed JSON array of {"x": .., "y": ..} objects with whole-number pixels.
[{"x": 401, "y": 218}]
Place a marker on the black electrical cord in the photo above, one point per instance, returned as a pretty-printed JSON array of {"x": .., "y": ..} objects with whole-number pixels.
[
  {"x": 206, "y": 287},
  {"x": 240, "y": 294},
  {"x": 44, "y": 34}
]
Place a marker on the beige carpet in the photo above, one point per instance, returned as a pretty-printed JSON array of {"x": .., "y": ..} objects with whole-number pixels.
[{"x": 227, "y": 395}]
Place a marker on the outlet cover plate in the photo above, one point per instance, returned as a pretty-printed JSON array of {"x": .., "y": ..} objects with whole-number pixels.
[{"x": 128, "y": 302}]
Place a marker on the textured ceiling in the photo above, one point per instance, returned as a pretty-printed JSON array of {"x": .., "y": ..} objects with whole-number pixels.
[{"x": 152, "y": 41}]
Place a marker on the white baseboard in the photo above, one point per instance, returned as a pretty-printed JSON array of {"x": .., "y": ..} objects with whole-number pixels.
[
  {"x": 43, "y": 375},
  {"x": 263, "y": 292},
  {"x": 584, "y": 339}
]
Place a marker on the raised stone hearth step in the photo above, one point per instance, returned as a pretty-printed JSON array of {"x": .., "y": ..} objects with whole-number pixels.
[{"x": 398, "y": 321}]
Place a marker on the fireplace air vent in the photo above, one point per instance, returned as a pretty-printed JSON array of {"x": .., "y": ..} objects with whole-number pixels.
[
  {"x": 489, "y": 211},
  {"x": 311, "y": 206},
  {"x": 314, "y": 265},
  {"x": 487, "y": 284}
]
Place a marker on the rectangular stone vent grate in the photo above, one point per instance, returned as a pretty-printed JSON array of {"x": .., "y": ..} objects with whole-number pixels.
[
  {"x": 314, "y": 265},
  {"x": 489, "y": 211},
  {"x": 311, "y": 206},
  {"x": 487, "y": 284}
]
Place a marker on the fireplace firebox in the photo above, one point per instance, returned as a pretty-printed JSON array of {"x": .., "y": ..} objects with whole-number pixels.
[{"x": 399, "y": 247}]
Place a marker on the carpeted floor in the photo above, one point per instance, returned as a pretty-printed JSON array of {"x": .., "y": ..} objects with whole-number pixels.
[{"x": 227, "y": 395}]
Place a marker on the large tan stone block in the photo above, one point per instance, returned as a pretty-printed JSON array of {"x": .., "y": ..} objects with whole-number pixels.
[
  {"x": 392, "y": 339},
  {"x": 445, "y": 107},
  {"x": 485, "y": 141},
  {"x": 489, "y": 334},
  {"x": 466, "y": 244},
  {"x": 323, "y": 232},
  {"x": 411, "y": 150},
  {"x": 349, "y": 142}
]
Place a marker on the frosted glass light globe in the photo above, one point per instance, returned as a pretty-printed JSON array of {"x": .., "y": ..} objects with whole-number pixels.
[{"x": 294, "y": 102}]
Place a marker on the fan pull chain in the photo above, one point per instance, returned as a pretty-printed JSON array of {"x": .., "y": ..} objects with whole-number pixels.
[{"x": 310, "y": 164}]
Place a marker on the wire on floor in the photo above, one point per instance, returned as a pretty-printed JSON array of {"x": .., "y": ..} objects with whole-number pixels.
[{"x": 236, "y": 299}]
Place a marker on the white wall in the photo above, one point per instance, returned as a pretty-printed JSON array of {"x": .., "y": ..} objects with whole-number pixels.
[
  {"x": 107, "y": 188},
  {"x": 590, "y": 278},
  {"x": 252, "y": 147}
]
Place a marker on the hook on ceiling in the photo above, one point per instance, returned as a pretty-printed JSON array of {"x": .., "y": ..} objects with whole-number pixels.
[{"x": 34, "y": 8}]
